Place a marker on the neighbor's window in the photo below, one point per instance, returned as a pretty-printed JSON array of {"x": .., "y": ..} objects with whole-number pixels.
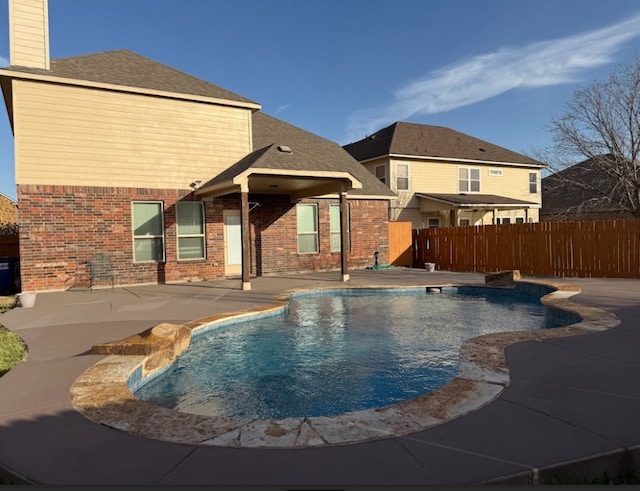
[
  {"x": 533, "y": 182},
  {"x": 307, "y": 228},
  {"x": 402, "y": 177},
  {"x": 334, "y": 227},
  {"x": 190, "y": 228},
  {"x": 433, "y": 223},
  {"x": 381, "y": 173},
  {"x": 148, "y": 231},
  {"x": 519, "y": 220},
  {"x": 468, "y": 180},
  {"x": 465, "y": 222}
]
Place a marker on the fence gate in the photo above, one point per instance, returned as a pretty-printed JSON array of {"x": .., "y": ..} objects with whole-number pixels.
[{"x": 400, "y": 240}]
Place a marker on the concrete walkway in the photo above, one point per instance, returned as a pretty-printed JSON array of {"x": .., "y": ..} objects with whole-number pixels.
[{"x": 570, "y": 400}]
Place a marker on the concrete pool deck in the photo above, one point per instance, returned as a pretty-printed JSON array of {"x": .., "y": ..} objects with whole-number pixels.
[{"x": 571, "y": 401}]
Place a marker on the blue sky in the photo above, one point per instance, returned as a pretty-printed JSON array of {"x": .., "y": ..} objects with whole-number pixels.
[{"x": 495, "y": 69}]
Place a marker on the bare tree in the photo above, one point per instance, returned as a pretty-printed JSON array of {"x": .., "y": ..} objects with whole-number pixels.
[{"x": 600, "y": 129}]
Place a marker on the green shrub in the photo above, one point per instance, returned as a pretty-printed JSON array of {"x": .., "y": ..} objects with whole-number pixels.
[{"x": 12, "y": 348}]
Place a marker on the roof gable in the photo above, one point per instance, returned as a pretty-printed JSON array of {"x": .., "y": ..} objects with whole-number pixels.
[
  {"x": 432, "y": 141},
  {"x": 129, "y": 69},
  {"x": 309, "y": 152}
]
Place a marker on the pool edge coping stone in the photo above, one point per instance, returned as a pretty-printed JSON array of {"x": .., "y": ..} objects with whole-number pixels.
[{"x": 104, "y": 392}]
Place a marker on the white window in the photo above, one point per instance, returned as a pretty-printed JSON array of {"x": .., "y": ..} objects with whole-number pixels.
[
  {"x": 381, "y": 173},
  {"x": 533, "y": 182},
  {"x": 190, "y": 230},
  {"x": 148, "y": 231},
  {"x": 402, "y": 177},
  {"x": 433, "y": 223},
  {"x": 307, "y": 215},
  {"x": 334, "y": 226},
  {"x": 468, "y": 180}
]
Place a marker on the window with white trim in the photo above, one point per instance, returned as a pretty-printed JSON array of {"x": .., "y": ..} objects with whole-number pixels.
[
  {"x": 307, "y": 218},
  {"x": 190, "y": 230},
  {"x": 533, "y": 182},
  {"x": 433, "y": 223},
  {"x": 402, "y": 177},
  {"x": 334, "y": 228},
  {"x": 468, "y": 180},
  {"x": 148, "y": 231},
  {"x": 519, "y": 220},
  {"x": 381, "y": 173}
]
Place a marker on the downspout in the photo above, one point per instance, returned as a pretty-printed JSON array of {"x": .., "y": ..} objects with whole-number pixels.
[
  {"x": 246, "y": 240},
  {"x": 344, "y": 237}
]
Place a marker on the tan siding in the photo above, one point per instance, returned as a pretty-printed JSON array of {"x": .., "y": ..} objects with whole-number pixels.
[
  {"x": 29, "y": 33},
  {"x": 438, "y": 177},
  {"x": 442, "y": 177},
  {"x": 514, "y": 183},
  {"x": 87, "y": 137}
]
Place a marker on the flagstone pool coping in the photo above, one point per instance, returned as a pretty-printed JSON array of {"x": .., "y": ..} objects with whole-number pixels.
[{"x": 104, "y": 392}]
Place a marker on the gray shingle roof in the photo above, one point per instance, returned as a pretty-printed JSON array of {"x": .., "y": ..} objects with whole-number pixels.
[
  {"x": 431, "y": 141},
  {"x": 309, "y": 153},
  {"x": 581, "y": 186},
  {"x": 129, "y": 69}
]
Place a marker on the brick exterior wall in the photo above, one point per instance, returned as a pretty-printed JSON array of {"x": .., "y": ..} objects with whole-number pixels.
[
  {"x": 62, "y": 227},
  {"x": 8, "y": 210}
]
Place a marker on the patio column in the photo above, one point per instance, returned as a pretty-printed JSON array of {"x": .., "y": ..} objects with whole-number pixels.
[
  {"x": 246, "y": 240},
  {"x": 344, "y": 236}
]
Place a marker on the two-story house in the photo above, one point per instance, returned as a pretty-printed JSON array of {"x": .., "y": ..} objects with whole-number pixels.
[
  {"x": 172, "y": 177},
  {"x": 445, "y": 178}
]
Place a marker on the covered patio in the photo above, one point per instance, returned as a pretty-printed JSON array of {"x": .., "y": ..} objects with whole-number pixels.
[{"x": 471, "y": 209}]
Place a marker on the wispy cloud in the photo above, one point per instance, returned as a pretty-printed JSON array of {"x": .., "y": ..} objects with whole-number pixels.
[
  {"x": 472, "y": 80},
  {"x": 4, "y": 61},
  {"x": 284, "y": 107}
]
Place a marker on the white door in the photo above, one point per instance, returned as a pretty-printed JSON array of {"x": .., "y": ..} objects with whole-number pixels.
[{"x": 232, "y": 243}]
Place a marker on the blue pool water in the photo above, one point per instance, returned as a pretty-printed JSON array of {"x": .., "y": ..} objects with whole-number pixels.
[{"x": 332, "y": 354}]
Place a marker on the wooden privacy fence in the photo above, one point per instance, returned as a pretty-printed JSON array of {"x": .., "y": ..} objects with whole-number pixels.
[
  {"x": 607, "y": 248},
  {"x": 400, "y": 244}
]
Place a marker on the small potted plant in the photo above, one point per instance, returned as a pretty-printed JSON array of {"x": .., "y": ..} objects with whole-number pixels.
[{"x": 27, "y": 299}]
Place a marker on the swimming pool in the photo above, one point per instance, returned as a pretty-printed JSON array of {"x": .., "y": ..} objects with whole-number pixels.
[
  {"x": 103, "y": 392},
  {"x": 337, "y": 352}
]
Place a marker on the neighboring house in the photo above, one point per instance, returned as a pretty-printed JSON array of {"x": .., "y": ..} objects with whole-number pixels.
[
  {"x": 8, "y": 210},
  {"x": 581, "y": 192},
  {"x": 174, "y": 178},
  {"x": 445, "y": 178}
]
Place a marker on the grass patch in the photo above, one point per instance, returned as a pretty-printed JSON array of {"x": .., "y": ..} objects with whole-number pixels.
[
  {"x": 12, "y": 349},
  {"x": 7, "y": 303}
]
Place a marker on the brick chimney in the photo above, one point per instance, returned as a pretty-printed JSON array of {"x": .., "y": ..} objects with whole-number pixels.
[{"x": 29, "y": 33}]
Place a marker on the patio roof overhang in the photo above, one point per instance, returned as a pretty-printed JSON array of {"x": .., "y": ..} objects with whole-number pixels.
[
  {"x": 297, "y": 184},
  {"x": 477, "y": 201}
]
